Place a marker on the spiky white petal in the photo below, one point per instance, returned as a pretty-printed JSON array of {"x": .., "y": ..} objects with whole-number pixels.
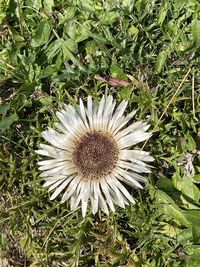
[{"x": 62, "y": 174}]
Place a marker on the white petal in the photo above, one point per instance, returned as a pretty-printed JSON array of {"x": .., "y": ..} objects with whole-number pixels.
[
  {"x": 109, "y": 107},
  {"x": 51, "y": 151},
  {"x": 105, "y": 190},
  {"x": 86, "y": 195},
  {"x": 56, "y": 184},
  {"x": 108, "y": 112},
  {"x": 127, "y": 176},
  {"x": 119, "y": 186},
  {"x": 116, "y": 194},
  {"x": 133, "y": 127},
  {"x": 48, "y": 166},
  {"x": 124, "y": 122},
  {"x": 62, "y": 170},
  {"x": 102, "y": 203},
  {"x": 83, "y": 113},
  {"x": 100, "y": 118},
  {"x": 51, "y": 161},
  {"x": 59, "y": 189},
  {"x": 54, "y": 138},
  {"x": 94, "y": 196},
  {"x": 53, "y": 180},
  {"x": 132, "y": 139},
  {"x": 133, "y": 155},
  {"x": 134, "y": 167},
  {"x": 117, "y": 114},
  {"x": 78, "y": 194},
  {"x": 70, "y": 190},
  {"x": 68, "y": 126},
  {"x": 89, "y": 112}
]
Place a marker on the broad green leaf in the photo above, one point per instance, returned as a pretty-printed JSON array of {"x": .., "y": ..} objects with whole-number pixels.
[
  {"x": 171, "y": 230},
  {"x": 189, "y": 188},
  {"x": 48, "y": 5},
  {"x": 197, "y": 178},
  {"x": 69, "y": 12},
  {"x": 37, "y": 4},
  {"x": 165, "y": 184},
  {"x": 7, "y": 121},
  {"x": 42, "y": 34},
  {"x": 4, "y": 108},
  {"x": 160, "y": 61},
  {"x": 91, "y": 47},
  {"x": 81, "y": 34},
  {"x": 168, "y": 206},
  {"x": 188, "y": 203},
  {"x": 163, "y": 13},
  {"x": 178, "y": 4},
  {"x": 177, "y": 181},
  {"x": 125, "y": 93},
  {"x": 185, "y": 46},
  {"x": 16, "y": 35},
  {"x": 53, "y": 49},
  {"x": 133, "y": 31},
  {"x": 109, "y": 18},
  {"x": 2, "y": 17},
  {"x": 47, "y": 72},
  {"x": 192, "y": 216},
  {"x": 71, "y": 45},
  {"x": 69, "y": 54},
  {"x": 196, "y": 233},
  {"x": 194, "y": 255},
  {"x": 196, "y": 32},
  {"x": 116, "y": 71},
  {"x": 184, "y": 235},
  {"x": 191, "y": 144}
]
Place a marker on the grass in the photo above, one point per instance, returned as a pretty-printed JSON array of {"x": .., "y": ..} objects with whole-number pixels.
[{"x": 53, "y": 52}]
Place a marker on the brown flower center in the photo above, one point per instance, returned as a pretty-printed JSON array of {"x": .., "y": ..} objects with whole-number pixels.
[{"x": 95, "y": 155}]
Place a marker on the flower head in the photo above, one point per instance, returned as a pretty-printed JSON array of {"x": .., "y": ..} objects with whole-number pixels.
[{"x": 90, "y": 155}]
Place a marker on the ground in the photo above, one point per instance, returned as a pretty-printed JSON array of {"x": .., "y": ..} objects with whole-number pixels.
[{"x": 147, "y": 52}]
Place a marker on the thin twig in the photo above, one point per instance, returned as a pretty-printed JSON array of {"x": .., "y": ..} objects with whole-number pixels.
[{"x": 7, "y": 65}]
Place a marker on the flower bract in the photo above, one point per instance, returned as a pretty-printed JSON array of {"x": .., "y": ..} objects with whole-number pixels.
[{"x": 90, "y": 155}]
